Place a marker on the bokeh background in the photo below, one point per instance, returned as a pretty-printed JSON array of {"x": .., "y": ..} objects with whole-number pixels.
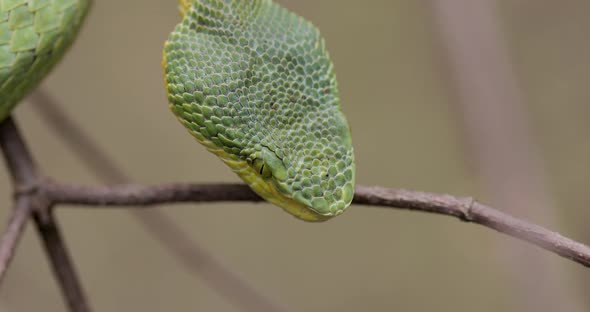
[{"x": 402, "y": 93}]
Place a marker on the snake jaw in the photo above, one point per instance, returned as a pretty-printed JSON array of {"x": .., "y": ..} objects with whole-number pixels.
[
  {"x": 280, "y": 193},
  {"x": 311, "y": 200}
]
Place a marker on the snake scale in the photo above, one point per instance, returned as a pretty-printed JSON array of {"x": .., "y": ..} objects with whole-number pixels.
[
  {"x": 34, "y": 35},
  {"x": 248, "y": 79}
]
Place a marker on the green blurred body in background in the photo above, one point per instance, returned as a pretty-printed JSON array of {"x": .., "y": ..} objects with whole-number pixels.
[{"x": 34, "y": 34}]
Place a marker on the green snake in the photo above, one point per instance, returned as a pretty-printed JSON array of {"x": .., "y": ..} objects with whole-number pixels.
[
  {"x": 34, "y": 35},
  {"x": 254, "y": 83},
  {"x": 249, "y": 80}
]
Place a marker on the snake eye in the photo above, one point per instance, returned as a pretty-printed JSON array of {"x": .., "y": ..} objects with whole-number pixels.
[
  {"x": 260, "y": 167},
  {"x": 269, "y": 165}
]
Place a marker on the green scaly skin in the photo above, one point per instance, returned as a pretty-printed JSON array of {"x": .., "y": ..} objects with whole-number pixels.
[
  {"x": 34, "y": 35},
  {"x": 254, "y": 83}
]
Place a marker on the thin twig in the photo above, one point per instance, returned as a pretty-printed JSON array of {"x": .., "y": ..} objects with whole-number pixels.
[
  {"x": 469, "y": 210},
  {"x": 197, "y": 259},
  {"x": 63, "y": 268},
  {"x": 466, "y": 209},
  {"x": 11, "y": 237},
  {"x": 499, "y": 140},
  {"x": 23, "y": 173},
  {"x": 26, "y": 182},
  {"x": 442, "y": 204},
  {"x": 18, "y": 159},
  {"x": 139, "y": 195}
]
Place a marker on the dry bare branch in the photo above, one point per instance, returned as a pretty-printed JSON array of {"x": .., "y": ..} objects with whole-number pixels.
[
  {"x": 198, "y": 260},
  {"x": 13, "y": 233},
  {"x": 26, "y": 182},
  {"x": 466, "y": 209}
]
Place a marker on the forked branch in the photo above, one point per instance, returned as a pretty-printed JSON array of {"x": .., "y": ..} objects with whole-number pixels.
[
  {"x": 466, "y": 209},
  {"x": 30, "y": 201},
  {"x": 37, "y": 195}
]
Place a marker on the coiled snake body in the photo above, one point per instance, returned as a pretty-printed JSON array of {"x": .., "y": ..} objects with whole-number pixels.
[
  {"x": 254, "y": 83},
  {"x": 34, "y": 35}
]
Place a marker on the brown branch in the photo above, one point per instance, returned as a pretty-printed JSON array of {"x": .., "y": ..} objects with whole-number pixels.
[
  {"x": 499, "y": 138},
  {"x": 196, "y": 259},
  {"x": 18, "y": 159},
  {"x": 26, "y": 182},
  {"x": 466, "y": 209},
  {"x": 23, "y": 173},
  {"x": 63, "y": 268},
  {"x": 46, "y": 193},
  {"x": 11, "y": 237},
  {"x": 138, "y": 195},
  {"x": 469, "y": 210}
]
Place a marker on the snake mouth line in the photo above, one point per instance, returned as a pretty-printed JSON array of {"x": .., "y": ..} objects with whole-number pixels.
[{"x": 266, "y": 188}]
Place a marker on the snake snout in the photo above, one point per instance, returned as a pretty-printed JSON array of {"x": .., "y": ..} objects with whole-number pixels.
[{"x": 327, "y": 193}]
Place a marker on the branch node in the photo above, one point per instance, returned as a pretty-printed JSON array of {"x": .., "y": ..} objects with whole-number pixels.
[
  {"x": 33, "y": 189},
  {"x": 466, "y": 207},
  {"x": 27, "y": 189}
]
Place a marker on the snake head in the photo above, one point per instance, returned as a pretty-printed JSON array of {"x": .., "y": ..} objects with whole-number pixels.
[{"x": 254, "y": 83}]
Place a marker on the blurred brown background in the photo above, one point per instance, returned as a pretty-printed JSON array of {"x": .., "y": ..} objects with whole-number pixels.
[{"x": 399, "y": 95}]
